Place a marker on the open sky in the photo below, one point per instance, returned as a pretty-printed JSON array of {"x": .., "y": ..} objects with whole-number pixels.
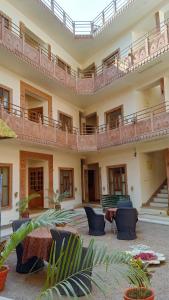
[{"x": 83, "y": 10}]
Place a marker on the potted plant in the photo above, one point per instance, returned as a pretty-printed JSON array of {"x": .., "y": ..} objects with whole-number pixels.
[
  {"x": 139, "y": 292},
  {"x": 48, "y": 218},
  {"x": 22, "y": 205},
  {"x": 78, "y": 277},
  {"x": 55, "y": 199}
]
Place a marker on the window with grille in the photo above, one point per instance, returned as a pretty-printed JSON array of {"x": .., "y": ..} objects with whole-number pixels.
[
  {"x": 113, "y": 117},
  {"x": 7, "y": 20},
  {"x": 117, "y": 180},
  {"x": 111, "y": 59},
  {"x": 66, "y": 122},
  {"x": 64, "y": 65},
  {"x": 67, "y": 182},
  {"x": 5, "y": 97},
  {"x": 5, "y": 171}
]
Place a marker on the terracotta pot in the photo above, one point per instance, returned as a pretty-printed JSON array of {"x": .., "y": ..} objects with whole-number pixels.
[
  {"x": 61, "y": 225},
  {"x": 152, "y": 297},
  {"x": 3, "y": 275}
]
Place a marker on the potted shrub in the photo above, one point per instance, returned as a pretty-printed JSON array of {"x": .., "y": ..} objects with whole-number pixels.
[
  {"x": 138, "y": 293},
  {"x": 141, "y": 291},
  {"x": 55, "y": 199},
  {"x": 49, "y": 218},
  {"x": 22, "y": 205}
]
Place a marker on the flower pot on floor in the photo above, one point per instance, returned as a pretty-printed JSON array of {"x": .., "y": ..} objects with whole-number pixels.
[
  {"x": 139, "y": 294},
  {"x": 3, "y": 275}
]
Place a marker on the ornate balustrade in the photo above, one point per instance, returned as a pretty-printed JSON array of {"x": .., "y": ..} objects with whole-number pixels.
[
  {"x": 139, "y": 53},
  {"x": 147, "y": 124}
]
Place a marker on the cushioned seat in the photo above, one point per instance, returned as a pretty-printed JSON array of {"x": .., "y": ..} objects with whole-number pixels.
[
  {"x": 68, "y": 238},
  {"x": 34, "y": 263},
  {"x": 124, "y": 203},
  {"x": 111, "y": 201},
  {"x": 96, "y": 222},
  {"x": 126, "y": 219}
]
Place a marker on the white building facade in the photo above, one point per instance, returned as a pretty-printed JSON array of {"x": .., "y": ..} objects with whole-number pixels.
[{"x": 88, "y": 102}]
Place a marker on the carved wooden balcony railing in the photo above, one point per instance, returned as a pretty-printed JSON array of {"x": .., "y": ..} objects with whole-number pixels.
[
  {"x": 147, "y": 124},
  {"x": 142, "y": 51}
]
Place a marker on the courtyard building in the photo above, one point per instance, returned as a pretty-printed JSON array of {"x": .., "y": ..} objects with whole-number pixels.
[{"x": 88, "y": 102}]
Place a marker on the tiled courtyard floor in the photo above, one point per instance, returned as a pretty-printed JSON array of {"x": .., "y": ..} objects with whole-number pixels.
[{"x": 26, "y": 287}]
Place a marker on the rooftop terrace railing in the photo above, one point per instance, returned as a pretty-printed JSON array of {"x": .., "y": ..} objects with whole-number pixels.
[{"x": 87, "y": 28}]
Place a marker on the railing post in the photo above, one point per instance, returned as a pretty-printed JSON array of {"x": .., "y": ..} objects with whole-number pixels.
[
  {"x": 74, "y": 29},
  {"x": 40, "y": 52},
  {"x": 64, "y": 18},
  {"x": 166, "y": 33},
  {"x": 103, "y": 17},
  {"x": 92, "y": 27},
  {"x": 131, "y": 56},
  {"x": 2, "y": 28},
  {"x": 147, "y": 46},
  {"x": 152, "y": 120},
  {"x": 23, "y": 43},
  {"x": 115, "y": 6},
  {"x": 52, "y": 6}
]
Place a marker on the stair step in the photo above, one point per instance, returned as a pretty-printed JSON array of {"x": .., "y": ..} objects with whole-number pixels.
[
  {"x": 160, "y": 200},
  {"x": 153, "y": 211},
  {"x": 165, "y": 191},
  {"x": 161, "y": 195},
  {"x": 154, "y": 219},
  {"x": 159, "y": 204}
]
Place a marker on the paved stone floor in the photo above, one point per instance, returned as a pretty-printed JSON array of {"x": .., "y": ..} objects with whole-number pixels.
[{"x": 26, "y": 287}]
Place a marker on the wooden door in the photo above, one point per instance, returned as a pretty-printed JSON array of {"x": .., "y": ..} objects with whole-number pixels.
[
  {"x": 35, "y": 114},
  {"x": 86, "y": 190},
  {"x": 91, "y": 185},
  {"x": 36, "y": 185}
]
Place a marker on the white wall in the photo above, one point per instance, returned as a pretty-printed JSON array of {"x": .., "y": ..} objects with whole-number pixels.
[
  {"x": 109, "y": 158},
  {"x": 17, "y": 16},
  {"x": 121, "y": 42},
  {"x": 10, "y": 153},
  {"x": 153, "y": 173},
  {"x": 132, "y": 101},
  {"x": 12, "y": 80}
]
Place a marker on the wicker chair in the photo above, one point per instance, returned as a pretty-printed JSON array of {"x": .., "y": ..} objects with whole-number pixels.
[
  {"x": 126, "y": 219},
  {"x": 96, "y": 222},
  {"x": 124, "y": 204},
  {"x": 34, "y": 263}
]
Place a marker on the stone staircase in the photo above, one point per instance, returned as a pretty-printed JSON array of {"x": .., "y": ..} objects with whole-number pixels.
[
  {"x": 155, "y": 211},
  {"x": 160, "y": 200}
]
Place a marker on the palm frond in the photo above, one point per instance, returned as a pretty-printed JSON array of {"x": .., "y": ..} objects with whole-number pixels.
[
  {"x": 48, "y": 218},
  {"x": 72, "y": 269}
]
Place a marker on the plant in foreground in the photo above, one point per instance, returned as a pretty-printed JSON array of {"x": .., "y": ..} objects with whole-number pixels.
[
  {"x": 72, "y": 268},
  {"x": 48, "y": 218}
]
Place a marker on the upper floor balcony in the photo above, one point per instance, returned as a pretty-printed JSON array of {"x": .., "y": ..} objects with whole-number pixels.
[
  {"x": 145, "y": 125},
  {"x": 131, "y": 60},
  {"x": 82, "y": 39}
]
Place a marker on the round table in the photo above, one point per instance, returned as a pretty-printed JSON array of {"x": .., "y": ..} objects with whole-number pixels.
[
  {"x": 38, "y": 243},
  {"x": 110, "y": 214}
]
